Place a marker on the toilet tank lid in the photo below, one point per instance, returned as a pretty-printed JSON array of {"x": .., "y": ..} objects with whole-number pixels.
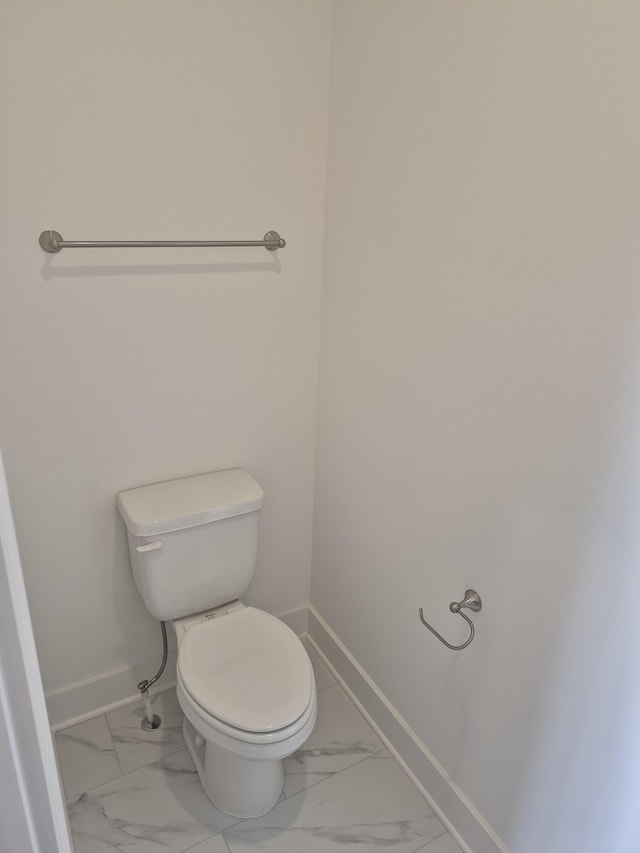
[{"x": 189, "y": 502}]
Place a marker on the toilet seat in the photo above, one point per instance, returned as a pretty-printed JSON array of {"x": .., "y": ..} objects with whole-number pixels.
[
  {"x": 267, "y": 675},
  {"x": 248, "y": 671},
  {"x": 257, "y": 746}
]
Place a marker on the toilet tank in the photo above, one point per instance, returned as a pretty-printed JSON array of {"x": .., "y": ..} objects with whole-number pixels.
[{"x": 193, "y": 542}]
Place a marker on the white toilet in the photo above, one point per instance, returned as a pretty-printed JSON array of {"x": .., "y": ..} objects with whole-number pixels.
[{"x": 244, "y": 679}]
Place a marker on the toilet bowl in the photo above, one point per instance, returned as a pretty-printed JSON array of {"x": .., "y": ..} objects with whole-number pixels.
[{"x": 246, "y": 687}]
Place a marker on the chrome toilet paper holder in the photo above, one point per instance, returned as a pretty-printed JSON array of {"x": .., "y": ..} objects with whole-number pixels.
[{"x": 472, "y": 601}]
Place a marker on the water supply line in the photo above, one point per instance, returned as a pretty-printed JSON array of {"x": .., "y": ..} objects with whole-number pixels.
[{"x": 150, "y": 722}]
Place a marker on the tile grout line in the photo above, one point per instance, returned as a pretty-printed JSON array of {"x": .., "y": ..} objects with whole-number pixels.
[
  {"x": 162, "y": 743},
  {"x": 313, "y": 654},
  {"x": 114, "y": 748},
  {"x": 74, "y": 797},
  {"x": 326, "y": 687},
  {"x": 128, "y": 773},
  {"x": 217, "y": 835},
  {"x": 433, "y": 840},
  {"x": 332, "y": 774}
]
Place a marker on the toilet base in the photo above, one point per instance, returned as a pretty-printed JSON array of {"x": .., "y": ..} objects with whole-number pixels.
[{"x": 241, "y": 787}]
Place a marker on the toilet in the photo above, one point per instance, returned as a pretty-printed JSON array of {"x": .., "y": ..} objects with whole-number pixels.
[{"x": 244, "y": 679}]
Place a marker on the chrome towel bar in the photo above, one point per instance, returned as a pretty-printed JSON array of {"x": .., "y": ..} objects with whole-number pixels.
[
  {"x": 52, "y": 241},
  {"x": 473, "y": 602}
]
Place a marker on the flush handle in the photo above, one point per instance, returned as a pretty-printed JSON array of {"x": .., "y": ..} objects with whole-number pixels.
[{"x": 156, "y": 545}]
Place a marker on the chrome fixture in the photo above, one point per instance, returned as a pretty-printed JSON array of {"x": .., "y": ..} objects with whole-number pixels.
[
  {"x": 150, "y": 721},
  {"x": 473, "y": 602},
  {"x": 52, "y": 241}
]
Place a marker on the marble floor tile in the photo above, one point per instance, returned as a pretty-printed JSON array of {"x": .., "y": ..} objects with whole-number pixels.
[
  {"x": 158, "y": 809},
  {"x": 323, "y": 675},
  {"x": 136, "y": 748},
  {"x": 217, "y": 844},
  {"x": 340, "y": 738},
  {"x": 369, "y": 805},
  {"x": 141, "y": 792},
  {"x": 442, "y": 844},
  {"x": 86, "y": 756}
]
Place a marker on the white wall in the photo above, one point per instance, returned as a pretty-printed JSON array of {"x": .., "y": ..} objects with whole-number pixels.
[
  {"x": 478, "y": 412},
  {"x": 156, "y": 120}
]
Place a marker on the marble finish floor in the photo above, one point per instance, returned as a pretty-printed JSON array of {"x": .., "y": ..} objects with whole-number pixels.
[{"x": 137, "y": 792}]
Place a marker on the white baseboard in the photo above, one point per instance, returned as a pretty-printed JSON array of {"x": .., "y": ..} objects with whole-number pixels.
[
  {"x": 75, "y": 703},
  {"x": 470, "y": 830},
  {"x": 78, "y": 702}
]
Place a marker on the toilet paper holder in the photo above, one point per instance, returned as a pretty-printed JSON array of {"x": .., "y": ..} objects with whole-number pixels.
[{"x": 472, "y": 601}]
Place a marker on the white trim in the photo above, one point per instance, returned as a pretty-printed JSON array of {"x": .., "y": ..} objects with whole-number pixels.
[
  {"x": 463, "y": 820},
  {"x": 112, "y": 706},
  {"x": 32, "y": 812},
  {"x": 82, "y": 700}
]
